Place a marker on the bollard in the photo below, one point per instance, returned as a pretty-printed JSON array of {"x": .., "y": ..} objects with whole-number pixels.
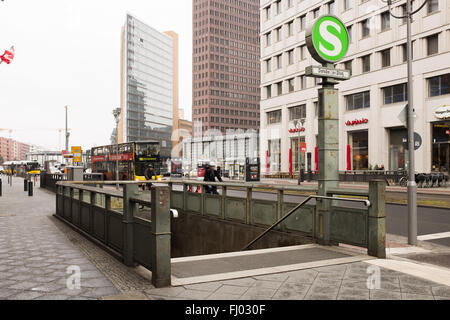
[
  {"x": 0, "y": 187},
  {"x": 30, "y": 188},
  {"x": 377, "y": 219},
  {"x": 25, "y": 185}
]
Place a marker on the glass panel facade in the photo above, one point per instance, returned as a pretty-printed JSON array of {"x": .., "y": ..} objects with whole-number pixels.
[
  {"x": 275, "y": 155},
  {"x": 295, "y": 153},
  {"x": 398, "y": 154},
  {"x": 148, "y": 84},
  {"x": 359, "y": 146},
  {"x": 441, "y": 147}
]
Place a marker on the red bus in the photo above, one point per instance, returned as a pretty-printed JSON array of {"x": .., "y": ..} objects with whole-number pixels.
[{"x": 134, "y": 158}]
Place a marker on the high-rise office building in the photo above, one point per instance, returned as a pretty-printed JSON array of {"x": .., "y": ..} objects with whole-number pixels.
[
  {"x": 226, "y": 66},
  {"x": 147, "y": 85}
]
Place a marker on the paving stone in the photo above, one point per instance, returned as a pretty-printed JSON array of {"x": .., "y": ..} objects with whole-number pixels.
[
  {"x": 209, "y": 286},
  {"x": 273, "y": 277},
  {"x": 441, "y": 298},
  {"x": 227, "y": 289},
  {"x": 5, "y": 293},
  {"x": 194, "y": 294},
  {"x": 48, "y": 287},
  {"x": 332, "y": 269},
  {"x": 287, "y": 294},
  {"x": 167, "y": 292},
  {"x": 257, "y": 292},
  {"x": 244, "y": 282},
  {"x": 441, "y": 291},
  {"x": 52, "y": 297},
  {"x": 407, "y": 279},
  {"x": 23, "y": 285},
  {"x": 323, "y": 289},
  {"x": 329, "y": 276},
  {"x": 412, "y": 296},
  {"x": 350, "y": 297},
  {"x": 27, "y": 295},
  {"x": 101, "y": 292},
  {"x": 267, "y": 284},
  {"x": 6, "y": 283},
  {"x": 358, "y": 294},
  {"x": 223, "y": 296},
  {"x": 384, "y": 295},
  {"x": 321, "y": 296},
  {"x": 408, "y": 288}
]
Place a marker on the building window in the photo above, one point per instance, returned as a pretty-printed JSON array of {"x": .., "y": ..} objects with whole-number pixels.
[
  {"x": 279, "y": 88},
  {"x": 404, "y": 52},
  {"x": 359, "y": 100},
  {"x": 385, "y": 58},
  {"x": 291, "y": 56},
  {"x": 432, "y": 44},
  {"x": 291, "y": 28},
  {"x": 291, "y": 84},
  {"x": 359, "y": 148},
  {"x": 268, "y": 91},
  {"x": 303, "y": 82},
  {"x": 290, "y": 3},
  {"x": 347, "y": 4},
  {"x": 439, "y": 85},
  {"x": 279, "y": 34},
  {"x": 348, "y": 66},
  {"x": 349, "y": 31},
  {"x": 279, "y": 59},
  {"x": 268, "y": 39},
  {"x": 268, "y": 12},
  {"x": 331, "y": 7},
  {"x": 398, "y": 155},
  {"x": 316, "y": 13},
  {"x": 274, "y": 117},
  {"x": 404, "y": 13},
  {"x": 316, "y": 108},
  {"x": 365, "y": 63},
  {"x": 303, "y": 22},
  {"x": 303, "y": 52},
  {"x": 433, "y": 6},
  {"x": 278, "y": 4},
  {"x": 297, "y": 112},
  {"x": 385, "y": 21},
  {"x": 268, "y": 65},
  {"x": 365, "y": 28},
  {"x": 394, "y": 94}
]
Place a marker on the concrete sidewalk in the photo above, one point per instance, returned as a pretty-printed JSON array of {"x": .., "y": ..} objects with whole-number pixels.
[{"x": 36, "y": 249}]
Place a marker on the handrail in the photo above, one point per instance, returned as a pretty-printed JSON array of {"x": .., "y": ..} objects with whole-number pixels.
[{"x": 366, "y": 202}]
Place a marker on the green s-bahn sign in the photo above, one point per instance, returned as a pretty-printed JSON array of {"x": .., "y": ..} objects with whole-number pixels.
[{"x": 327, "y": 39}]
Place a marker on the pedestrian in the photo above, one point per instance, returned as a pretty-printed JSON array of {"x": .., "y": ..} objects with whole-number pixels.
[
  {"x": 150, "y": 173},
  {"x": 210, "y": 176}
]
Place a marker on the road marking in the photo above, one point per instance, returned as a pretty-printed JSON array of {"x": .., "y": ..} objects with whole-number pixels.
[
  {"x": 430, "y": 273},
  {"x": 434, "y": 236}
]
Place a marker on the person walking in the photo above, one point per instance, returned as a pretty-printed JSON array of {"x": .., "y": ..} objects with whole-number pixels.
[{"x": 150, "y": 173}]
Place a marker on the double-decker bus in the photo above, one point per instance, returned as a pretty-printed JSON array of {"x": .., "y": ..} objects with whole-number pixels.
[{"x": 134, "y": 158}]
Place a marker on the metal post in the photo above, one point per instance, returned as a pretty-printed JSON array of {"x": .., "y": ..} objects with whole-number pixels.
[
  {"x": 1, "y": 187},
  {"x": 25, "y": 185},
  {"x": 30, "y": 188},
  {"x": 377, "y": 219},
  {"x": 299, "y": 161},
  {"x": 129, "y": 209},
  {"x": 412, "y": 186},
  {"x": 328, "y": 151},
  {"x": 160, "y": 244}
]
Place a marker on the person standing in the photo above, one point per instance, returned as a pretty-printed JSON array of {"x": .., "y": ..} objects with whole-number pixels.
[
  {"x": 210, "y": 176},
  {"x": 150, "y": 173}
]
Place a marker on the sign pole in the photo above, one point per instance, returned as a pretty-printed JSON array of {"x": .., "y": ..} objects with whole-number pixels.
[{"x": 327, "y": 47}]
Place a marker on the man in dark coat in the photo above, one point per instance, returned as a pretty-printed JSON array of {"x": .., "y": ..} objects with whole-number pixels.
[
  {"x": 210, "y": 176},
  {"x": 150, "y": 173}
]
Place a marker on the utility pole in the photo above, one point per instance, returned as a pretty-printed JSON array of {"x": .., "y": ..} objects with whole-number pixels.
[
  {"x": 67, "y": 133},
  {"x": 412, "y": 185}
]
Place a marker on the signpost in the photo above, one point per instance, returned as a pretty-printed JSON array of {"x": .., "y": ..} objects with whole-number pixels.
[
  {"x": 417, "y": 142},
  {"x": 77, "y": 158},
  {"x": 327, "y": 41}
]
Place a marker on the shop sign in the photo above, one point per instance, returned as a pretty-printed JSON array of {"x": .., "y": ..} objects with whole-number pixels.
[
  {"x": 356, "y": 122},
  {"x": 303, "y": 147},
  {"x": 295, "y": 130},
  {"x": 442, "y": 112},
  {"x": 417, "y": 141}
]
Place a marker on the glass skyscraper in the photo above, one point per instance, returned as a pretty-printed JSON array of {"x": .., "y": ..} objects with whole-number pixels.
[{"x": 146, "y": 85}]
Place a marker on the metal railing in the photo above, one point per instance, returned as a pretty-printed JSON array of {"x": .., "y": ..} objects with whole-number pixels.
[
  {"x": 114, "y": 220},
  {"x": 366, "y": 202}
]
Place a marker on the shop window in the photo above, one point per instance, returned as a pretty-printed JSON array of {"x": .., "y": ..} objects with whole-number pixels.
[
  {"x": 295, "y": 147},
  {"x": 398, "y": 154},
  {"x": 439, "y": 85},
  {"x": 441, "y": 147},
  {"x": 275, "y": 155},
  {"x": 359, "y": 148}
]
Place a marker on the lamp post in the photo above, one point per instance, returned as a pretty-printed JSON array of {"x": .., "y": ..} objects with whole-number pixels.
[
  {"x": 116, "y": 114},
  {"x": 300, "y": 160},
  {"x": 412, "y": 185}
]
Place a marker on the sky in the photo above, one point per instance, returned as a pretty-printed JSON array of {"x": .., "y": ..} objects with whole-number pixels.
[{"x": 67, "y": 52}]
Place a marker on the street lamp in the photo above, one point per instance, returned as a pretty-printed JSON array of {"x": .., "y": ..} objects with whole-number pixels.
[
  {"x": 116, "y": 113},
  {"x": 412, "y": 186},
  {"x": 300, "y": 160}
]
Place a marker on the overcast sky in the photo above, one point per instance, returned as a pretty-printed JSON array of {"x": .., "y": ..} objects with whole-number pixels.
[{"x": 67, "y": 52}]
